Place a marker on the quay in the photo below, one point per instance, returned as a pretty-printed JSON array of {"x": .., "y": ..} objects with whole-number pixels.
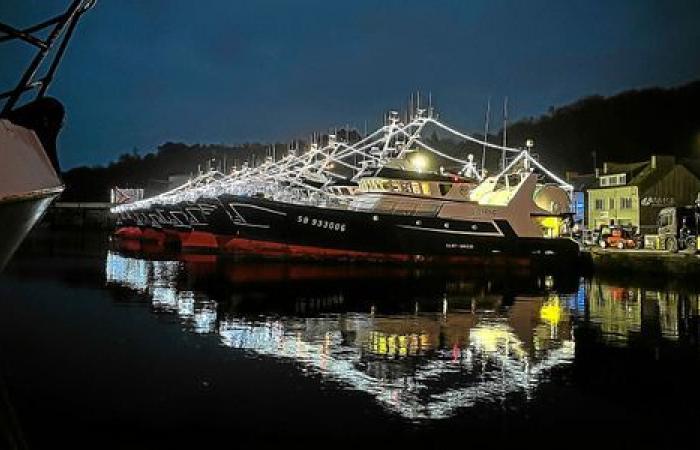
[
  {"x": 81, "y": 215},
  {"x": 641, "y": 261}
]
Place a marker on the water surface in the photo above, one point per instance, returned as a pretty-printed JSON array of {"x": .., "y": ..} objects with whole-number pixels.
[{"x": 131, "y": 346}]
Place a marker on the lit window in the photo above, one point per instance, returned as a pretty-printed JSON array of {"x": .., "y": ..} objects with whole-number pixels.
[{"x": 445, "y": 188}]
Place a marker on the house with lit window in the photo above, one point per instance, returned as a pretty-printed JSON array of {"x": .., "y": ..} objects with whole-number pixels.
[{"x": 633, "y": 194}]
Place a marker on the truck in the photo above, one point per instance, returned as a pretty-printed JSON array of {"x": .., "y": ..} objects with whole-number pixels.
[{"x": 678, "y": 228}]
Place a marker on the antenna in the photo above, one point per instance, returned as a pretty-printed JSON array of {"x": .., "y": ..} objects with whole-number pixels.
[
  {"x": 430, "y": 103},
  {"x": 486, "y": 136},
  {"x": 505, "y": 131}
]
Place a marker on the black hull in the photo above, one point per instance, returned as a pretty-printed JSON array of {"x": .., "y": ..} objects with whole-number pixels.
[
  {"x": 18, "y": 216},
  {"x": 305, "y": 228},
  {"x": 261, "y": 226}
]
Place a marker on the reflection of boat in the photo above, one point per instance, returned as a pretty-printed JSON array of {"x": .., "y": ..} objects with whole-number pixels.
[
  {"x": 28, "y": 161},
  {"x": 387, "y": 208},
  {"x": 418, "y": 364}
]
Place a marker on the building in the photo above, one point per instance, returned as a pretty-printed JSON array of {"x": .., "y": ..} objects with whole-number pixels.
[
  {"x": 581, "y": 183},
  {"x": 633, "y": 194}
]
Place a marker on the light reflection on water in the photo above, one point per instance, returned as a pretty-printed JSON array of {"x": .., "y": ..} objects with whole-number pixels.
[{"x": 465, "y": 346}]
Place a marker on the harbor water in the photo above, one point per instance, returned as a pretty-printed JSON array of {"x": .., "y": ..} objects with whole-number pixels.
[{"x": 107, "y": 345}]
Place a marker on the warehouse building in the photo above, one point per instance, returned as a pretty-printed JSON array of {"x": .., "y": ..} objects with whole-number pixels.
[{"x": 633, "y": 194}]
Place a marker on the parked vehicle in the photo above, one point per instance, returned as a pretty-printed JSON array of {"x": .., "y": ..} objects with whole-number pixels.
[
  {"x": 619, "y": 237},
  {"x": 678, "y": 228},
  {"x": 590, "y": 238}
]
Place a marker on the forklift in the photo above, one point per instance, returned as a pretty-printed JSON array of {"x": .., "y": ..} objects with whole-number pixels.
[{"x": 678, "y": 228}]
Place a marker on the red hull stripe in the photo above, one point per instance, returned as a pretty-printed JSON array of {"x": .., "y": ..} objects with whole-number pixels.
[
  {"x": 194, "y": 240},
  {"x": 129, "y": 233},
  {"x": 149, "y": 234},
  {"x": 278, "y": 249},
  {"x": 197, "y": 239}
]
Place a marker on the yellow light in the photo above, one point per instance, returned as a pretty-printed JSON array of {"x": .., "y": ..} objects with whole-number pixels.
[
  {"x": 419, "y": 162},
  {"x": 551, "y": 226},
  {"x": 551, "y": 312}
]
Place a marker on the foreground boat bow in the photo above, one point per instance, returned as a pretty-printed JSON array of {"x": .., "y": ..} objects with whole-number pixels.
[{"x": 29, "y": 179}]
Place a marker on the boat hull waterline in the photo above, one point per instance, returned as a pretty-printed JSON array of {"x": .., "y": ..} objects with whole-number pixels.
[
  {"x": 252, "y": 225},
  {"x": 18, "y": 216}
]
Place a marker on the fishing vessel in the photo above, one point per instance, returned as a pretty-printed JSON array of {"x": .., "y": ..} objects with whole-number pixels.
[
  {"x": 389, "y": 206},
  {"x": 29, "y": 169}
]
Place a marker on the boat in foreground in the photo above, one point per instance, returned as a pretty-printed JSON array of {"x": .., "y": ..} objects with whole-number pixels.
[{"x": 29, "y": 179}]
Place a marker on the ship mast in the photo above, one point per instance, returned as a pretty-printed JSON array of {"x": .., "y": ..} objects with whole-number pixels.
[
  {"x": 67, "y": 22},
  {"x": 486, "y": 137},
  {"x": 505, "y": 131}
]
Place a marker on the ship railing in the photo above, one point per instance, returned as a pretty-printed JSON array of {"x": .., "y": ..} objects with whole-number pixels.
[
  {"x": 285, "y": 178},
  {"x": 61, "y": 25}
]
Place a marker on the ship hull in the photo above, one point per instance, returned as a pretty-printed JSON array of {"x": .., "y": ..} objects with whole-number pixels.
[
  {"x": 18, "y": 216},
  {"x": 306, "y": 230},
  {"x": 251, "y": 225},
  {"x": 256, "y": 225}
]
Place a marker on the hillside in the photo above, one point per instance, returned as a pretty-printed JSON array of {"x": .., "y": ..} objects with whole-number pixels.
[{"x": 626, "y": 127}]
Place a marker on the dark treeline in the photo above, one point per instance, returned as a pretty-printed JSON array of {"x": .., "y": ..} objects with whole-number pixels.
[
  {"x": 626, "y": 127},
  {"x": 151, "y": 171}
]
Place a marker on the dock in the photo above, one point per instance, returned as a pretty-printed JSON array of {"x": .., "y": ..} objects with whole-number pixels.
[
  {"x": 642, "y": 261},
  {"x": 79, "y": 215}
]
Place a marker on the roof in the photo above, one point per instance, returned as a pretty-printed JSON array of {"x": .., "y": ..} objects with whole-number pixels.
[
  {"x": 581, "y": 182},
  {"x": 693, "y": 165},
  {"x": 644, "y": 175},
  {"x": 649, "y": 176}
]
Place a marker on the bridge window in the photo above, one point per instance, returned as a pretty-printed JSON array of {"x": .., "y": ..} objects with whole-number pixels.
[{"x": 445, "y": 188}]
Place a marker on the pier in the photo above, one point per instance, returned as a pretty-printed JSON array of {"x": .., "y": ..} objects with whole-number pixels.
[
  {"x": 80, "y": 215},
  {"x": 642, "y": 261}
]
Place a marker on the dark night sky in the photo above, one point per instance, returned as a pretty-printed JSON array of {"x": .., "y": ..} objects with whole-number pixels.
[{"x": 141, "y": 72}]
